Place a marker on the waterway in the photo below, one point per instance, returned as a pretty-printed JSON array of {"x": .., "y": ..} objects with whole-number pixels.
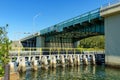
[{"x": 73, "y": 73}]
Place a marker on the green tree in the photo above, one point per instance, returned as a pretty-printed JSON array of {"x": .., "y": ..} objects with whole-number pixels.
[
  {"x": 93, "y": 42},
  {"x": 4, "y": 49}
]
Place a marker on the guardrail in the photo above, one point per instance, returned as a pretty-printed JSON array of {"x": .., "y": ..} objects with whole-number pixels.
[
  {"x": 51, "y": 48},
  {"x": 78, "y": 19},
  {"x": 51, "y": 51},
  {"x": 110, "y": 4}
]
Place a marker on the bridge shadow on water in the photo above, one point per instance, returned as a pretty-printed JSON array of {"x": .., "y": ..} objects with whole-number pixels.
[{"x": 73, "y": 73}]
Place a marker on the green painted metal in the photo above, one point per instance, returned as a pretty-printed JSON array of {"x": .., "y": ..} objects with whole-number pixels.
[
  {"x": 64, "y": 34},
  {"x": 79, "y": 33},
  {"x": 79, "y": 19}
]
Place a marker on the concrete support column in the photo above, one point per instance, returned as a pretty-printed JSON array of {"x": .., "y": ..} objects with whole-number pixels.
[
  {"x": 111, "y": 16},
  {"x": 40, "y": 41},
  {"x": 75, "y": 44},
  {"x": 27, "y": 44}
]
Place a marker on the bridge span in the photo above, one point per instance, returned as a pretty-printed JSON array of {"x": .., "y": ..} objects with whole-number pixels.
[
  {"x": 101, "y": 21},
  {"x": 66, "y": 34}
]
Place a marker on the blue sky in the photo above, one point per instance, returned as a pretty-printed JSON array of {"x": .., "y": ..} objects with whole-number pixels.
[{"x": 20, "y": 14}]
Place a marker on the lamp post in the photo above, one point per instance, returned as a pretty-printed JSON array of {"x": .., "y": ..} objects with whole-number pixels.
[{"x": 34, "y": 18}]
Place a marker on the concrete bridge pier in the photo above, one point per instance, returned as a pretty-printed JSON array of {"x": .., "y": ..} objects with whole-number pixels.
[
  {"x": 85, "y": 60},
  {"x": 34, "y": 64},
  {"x": 111, "y": 16},
  {"x": 62, "y": 61},
  {"x": 22, "y": 65},
  {"x": 77, "y": 60},
  {"x": 70, "y": 60},
  {"x": 44, "y": 62},
  {"x": 12, "y": 67},
  {"x": 92, "y": 60},
  {"x": 52, "y": 61}
]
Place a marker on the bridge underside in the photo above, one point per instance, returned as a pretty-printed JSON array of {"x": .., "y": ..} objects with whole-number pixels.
[
  {"x": 70, "y": 35},
  {"x": 67, "y": 33},
  {"x": 29, "y": 42}
]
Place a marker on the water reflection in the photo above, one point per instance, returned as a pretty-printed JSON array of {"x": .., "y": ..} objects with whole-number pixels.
[
  {"x": 52, "y": 74},
  {"x": 22, "y": 76},
  {"x": 42, "y": 75},
  {"x": 73, "y": 73},
  {"x": 113, "y": 75}
]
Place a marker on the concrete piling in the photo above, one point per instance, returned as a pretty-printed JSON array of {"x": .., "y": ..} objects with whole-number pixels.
[
  {"x": 92, "y": 61},
  {"x": 44, "y": 62},
  {"x": 85, "y": 60},
  {"x": 22, "y": 65},
  {"x": 55, "y": 60},
  {"x": 77, "y": 60},
  {"x": 70, "y": 60},
  {"x": 62, "y": 61},
  {"x": 34, "y": 64},
  {"x": 52, "y": 61},
  {"x": 12, "y": 67}
]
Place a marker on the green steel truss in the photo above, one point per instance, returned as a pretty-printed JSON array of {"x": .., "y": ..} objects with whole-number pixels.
[
  {"x": 66, "y": 33},
  {"x": 76, "y": 20}
]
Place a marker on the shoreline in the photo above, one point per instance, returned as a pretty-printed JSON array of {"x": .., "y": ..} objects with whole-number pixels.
[
  {"x": 112, "y": 66},
  {"x": 13, "y": 76}
]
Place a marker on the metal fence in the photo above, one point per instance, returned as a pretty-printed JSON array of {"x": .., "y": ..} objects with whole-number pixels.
[
  {"x": 110, "y": 4},
  {"x": 78, "y": 19},
  {"x": 52, "y": 51}
]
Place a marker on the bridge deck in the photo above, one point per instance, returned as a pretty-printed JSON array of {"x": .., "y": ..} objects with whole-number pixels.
[{"x": 79, "y": 19}]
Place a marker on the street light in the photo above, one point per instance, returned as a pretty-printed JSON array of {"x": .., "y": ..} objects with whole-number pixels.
[{"x": 37, "y": 15}]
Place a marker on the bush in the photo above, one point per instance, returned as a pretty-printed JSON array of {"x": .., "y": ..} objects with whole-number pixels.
[
  {"x": 4, "y": 49},
  {"x": 93, "y": 42}
]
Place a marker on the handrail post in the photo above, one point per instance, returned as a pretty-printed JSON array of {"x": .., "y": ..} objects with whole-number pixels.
[
  {"x": 18, "y": 51},
  {"x": 66, "y": 52},
  {"x": 40, "y": 51},
  {"x": 81, "y": 50},
  {"x": 50, "y": 52},
  {"x": 30, "y": 51},
  {"x": 58, "y": 51},
  {"x": 74, "y": 51}
]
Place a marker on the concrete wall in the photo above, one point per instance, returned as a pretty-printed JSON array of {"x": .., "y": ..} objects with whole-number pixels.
[
  {"x": 112, "y": 39},
  {"x": 110, "y": 10},
  {"x": 40, "y": 41}
]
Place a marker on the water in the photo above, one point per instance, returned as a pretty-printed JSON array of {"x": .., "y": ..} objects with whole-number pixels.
[{"x": 73, "y": 73}]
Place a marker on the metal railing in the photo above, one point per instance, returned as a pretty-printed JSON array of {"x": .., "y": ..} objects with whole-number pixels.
[
  {"x": 51, "y": 51},
  {"x": 110, "y": 4},
  {"x": 78, "y": 19}
]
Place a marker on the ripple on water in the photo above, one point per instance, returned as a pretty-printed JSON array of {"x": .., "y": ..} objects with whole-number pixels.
[{"x": 73, "y": 73}]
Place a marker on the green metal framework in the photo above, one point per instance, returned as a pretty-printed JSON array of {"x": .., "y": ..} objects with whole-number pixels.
[
  {"x": 66, "y": 33},
  {"x": 79, "y": 19}
]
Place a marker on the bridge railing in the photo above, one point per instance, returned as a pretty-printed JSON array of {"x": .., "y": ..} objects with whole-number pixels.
[
  {"x": 78, "y": 19},
  {"x": 51, "y": 51},
  {"x": 110, "y": 4}
]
